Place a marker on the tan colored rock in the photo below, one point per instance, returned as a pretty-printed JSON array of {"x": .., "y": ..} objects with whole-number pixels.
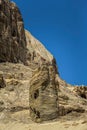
[
  {"x": 37, "y": 54},
  {"x": 43, "y": 94},
  {"x": 15, "y": 94},
  {"x": 81, "y": 91},
  {"x": 37, "y": 51},
  {"x": 50, "y": 96}
]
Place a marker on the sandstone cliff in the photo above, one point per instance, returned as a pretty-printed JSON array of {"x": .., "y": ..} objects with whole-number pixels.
[
  {"x": 12, "y": 35},
  {"x": 18, "y": 82}
]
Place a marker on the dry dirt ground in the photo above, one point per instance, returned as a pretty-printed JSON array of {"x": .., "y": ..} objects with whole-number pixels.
[
  {"x": 69, "y": 125},
  {"x": 21, "y": 121}
]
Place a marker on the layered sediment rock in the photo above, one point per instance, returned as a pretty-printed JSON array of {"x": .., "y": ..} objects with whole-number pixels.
[
  {"x": 12, "y": 35},
  {"x": 19, "y": 46},
  {"x": 43, "y": 96},
  {"x": 37, "y": 54},
  {"x": 50, "y": 96},
  {"x": 43, "y": 84},
  {"x": 81, "y": 91}
]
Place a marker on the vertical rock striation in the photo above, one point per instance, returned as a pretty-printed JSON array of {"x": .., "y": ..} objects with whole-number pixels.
[
  {"x": 43, "y": 94},
  {"x": 38, "y": 84},
  {"x": 12, "y": 35},
  {"x": 43, "y": 97},
  {"x": 37, "y": 54}
]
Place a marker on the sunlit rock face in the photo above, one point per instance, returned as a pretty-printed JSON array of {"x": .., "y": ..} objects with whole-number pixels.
[
  {"x": 37, "y": 54},
  {"x": 32, "y": 87},
  {"x": 81, "y": 91},
  {"x": 19, "y": 46},
  {"x": 43, "y": 96},
  {"x": 12, "y": 34}
]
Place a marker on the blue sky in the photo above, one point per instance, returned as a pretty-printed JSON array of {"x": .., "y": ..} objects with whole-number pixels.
[{"x": 61, "y": 25}]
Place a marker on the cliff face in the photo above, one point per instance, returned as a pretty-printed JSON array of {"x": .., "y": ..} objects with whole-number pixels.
[
  {"x": 42, "y": 84},
  {"x": 14, "y": 39},
  {"x": 37, "y": 54},
  {"x": 12, "y": 35},
  {"x": 19, "y": 46}
]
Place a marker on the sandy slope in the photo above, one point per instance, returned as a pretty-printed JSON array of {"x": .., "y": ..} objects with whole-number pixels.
[{"x": 69, "y": 125}]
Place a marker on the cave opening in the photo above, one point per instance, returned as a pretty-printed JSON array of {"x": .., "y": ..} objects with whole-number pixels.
[
  {"x": 36, "y": 94},
  {"x": 14, "y": 33},
  {"x": 83, "y": 96}
]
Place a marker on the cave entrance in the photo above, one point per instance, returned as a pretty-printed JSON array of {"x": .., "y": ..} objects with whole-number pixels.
[
  {"x": 38, "y": 114},
  {"x": 83, "y": 96},
  {"x": 36, "y": 94},
  {"x": 14, "y": 33}
]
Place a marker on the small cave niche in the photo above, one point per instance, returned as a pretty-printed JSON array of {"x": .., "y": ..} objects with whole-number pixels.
[
  {"x": 38, "y": 114},
  {"x": 2, "y": 83},
  {"x": 83, "y": 96},
  {"x": 36, "y": 94},
  {"x": 14, "y": 33},
  {"x": 1, "y": 60}
]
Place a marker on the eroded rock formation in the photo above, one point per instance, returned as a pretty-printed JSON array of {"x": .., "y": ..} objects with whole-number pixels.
[
  {"x": 12, "y": 35},
  {"x": 50, "y": 96},
  {"x": 43, "y": 96},
  {"x": 37, "y": 54},
  {"x": 81, "y": 91}
]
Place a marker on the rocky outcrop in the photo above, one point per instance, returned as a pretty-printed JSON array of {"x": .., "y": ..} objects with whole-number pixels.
[
  {"x": 14, "y": 88},
  {"x": 43, "y": 84},
  {"x": 19, "y": 46},
  {"x": 43, "y": 96},
  {"x": 36, "y": 88},
  {"x": 12, "y": 35},
  {"x": 69, "y": 101},
  {"x": 81, "y": 91},
  {"x": 37, "y": 54}
]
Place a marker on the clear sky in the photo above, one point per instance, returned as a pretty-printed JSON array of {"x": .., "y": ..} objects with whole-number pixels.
[{"x": 61, "y": 25}]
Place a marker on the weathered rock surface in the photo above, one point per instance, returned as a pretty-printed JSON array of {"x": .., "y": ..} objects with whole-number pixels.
[
  {"x": 19, "y": 82},
  {"x": 43, "y": 96},
  {"x": 69, "y": 101},
  {"x": 81, "y": 91},
  {"x": 18, "y": 48},
  {"x": 14, "y": 97},
  {"x": 37, "y": 58},
  {"x": 37, "y": 54},
  {"x": 12, "y": 34}
]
